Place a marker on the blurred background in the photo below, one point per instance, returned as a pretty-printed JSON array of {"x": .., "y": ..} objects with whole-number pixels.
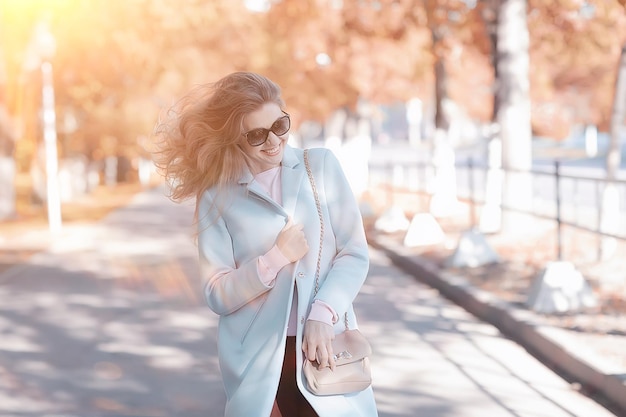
[{"x": 510, "y": 107}]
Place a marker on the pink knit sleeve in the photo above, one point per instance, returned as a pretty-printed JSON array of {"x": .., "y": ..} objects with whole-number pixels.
[
  {"x": 320, "y": 311},
  {"x": 269, "y": 264}
]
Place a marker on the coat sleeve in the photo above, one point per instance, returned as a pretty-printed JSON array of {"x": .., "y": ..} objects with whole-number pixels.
[
  {"x": 350, "y": 265},
  {"x": 227, "y": 286}
]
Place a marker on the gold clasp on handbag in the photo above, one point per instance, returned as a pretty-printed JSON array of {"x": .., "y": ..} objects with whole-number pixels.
[{"x": 345, "y": 355}]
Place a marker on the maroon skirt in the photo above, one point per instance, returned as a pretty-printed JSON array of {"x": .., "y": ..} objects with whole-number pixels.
[{"x": 289, "y": 399}]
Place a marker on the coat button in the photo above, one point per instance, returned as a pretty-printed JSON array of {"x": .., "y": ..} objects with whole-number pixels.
[
  {"x": 301, "y": 320},
  {"x": 300, "y": 274}
]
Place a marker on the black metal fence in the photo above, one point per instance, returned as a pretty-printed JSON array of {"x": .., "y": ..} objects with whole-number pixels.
[{"x": 559, "y": 194}]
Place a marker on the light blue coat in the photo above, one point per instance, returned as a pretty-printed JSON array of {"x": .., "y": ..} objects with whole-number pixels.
[{"x": 253, "y": 316}]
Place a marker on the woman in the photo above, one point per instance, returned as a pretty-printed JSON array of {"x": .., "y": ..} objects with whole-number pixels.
[{"x": 258, "y": 238}]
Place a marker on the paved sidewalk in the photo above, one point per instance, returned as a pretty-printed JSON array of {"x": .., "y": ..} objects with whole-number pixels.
[
  {"x": 564, "y": 351},
  {"x": 108, "y": 322}
]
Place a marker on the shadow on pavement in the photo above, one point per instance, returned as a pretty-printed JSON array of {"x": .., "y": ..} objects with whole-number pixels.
[
  {"x": 78, "y": 344},
  {"x": 110, "y": 322},
  {"x": 431, "y": 358}
]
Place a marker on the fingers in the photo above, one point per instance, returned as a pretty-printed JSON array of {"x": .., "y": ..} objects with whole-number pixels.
[
  {"x": 289, "y": 223},
  {"x": 322, "y": 357},
  {"x": 291, "y": 240},
  {"x": 317, "y": 343},
  {"x": 310, "y": 350},
  {"x": 291, "y": 226},
  {"x": 325, "y": 356},
  {"x": 331, "y": 358}
]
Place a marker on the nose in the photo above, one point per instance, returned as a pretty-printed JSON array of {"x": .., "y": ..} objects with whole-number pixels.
[{"x": 273, "y": 139}]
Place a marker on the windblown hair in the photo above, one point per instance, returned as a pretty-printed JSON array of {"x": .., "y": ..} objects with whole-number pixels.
[{"x": 198, "y": 143}]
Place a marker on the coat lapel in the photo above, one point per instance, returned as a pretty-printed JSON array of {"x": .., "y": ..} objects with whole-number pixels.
[
  {"x": 292, "y": 174},
  {"x": 291, "y": 177}
]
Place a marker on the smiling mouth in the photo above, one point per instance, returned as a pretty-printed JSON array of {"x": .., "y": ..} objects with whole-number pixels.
[{"x": 272, "y": 151}]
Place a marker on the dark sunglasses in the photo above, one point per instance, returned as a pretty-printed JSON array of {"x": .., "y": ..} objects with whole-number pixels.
[{"x": 257, "y": 137}]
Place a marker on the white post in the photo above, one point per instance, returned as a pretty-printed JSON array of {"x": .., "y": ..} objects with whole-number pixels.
[
  {"x": 591, "y": 141},
  {"x": 50, "y": 142},
  {"x": 491, "y": 215},
  {"x": 609, "y": 217},
  {"x": 444, "y": 201}
]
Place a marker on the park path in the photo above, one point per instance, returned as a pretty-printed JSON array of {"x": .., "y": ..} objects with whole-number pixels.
[{"x": 109, "y": 322}]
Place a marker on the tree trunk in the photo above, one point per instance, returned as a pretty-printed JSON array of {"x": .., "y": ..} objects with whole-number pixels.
[
  {"x": 513, "y": 113},
  {"x": 491, "y": 213},
  {"x": 7, "y": 148},
  {"x": 613, "y": 157},
  {"x": 489, "y": 14},
  {"x": 437, "y": 30},
  {"x": 609, "y": 215},
  {"x": 442, "y": 120},
  {"x": 444, "y": 201},
  {"x": 7, "y": 169}
]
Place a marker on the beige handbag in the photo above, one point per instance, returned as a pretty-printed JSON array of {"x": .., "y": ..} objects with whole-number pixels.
[{"x": 351, "y": 350}]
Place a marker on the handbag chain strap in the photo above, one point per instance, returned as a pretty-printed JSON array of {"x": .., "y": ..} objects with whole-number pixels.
[{"x": 319, "y": 214}]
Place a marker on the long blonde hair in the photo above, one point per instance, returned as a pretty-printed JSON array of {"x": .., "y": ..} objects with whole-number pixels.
[{"x": 197, "y": 144}]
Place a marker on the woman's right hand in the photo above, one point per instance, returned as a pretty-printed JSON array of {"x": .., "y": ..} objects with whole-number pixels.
[{"x": 292, "y": 242}]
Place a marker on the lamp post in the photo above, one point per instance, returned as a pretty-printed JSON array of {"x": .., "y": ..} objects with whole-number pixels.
[{"x": 45, "y": 47}]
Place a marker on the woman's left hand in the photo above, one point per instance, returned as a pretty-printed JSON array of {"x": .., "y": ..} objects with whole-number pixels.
[{"x": 317, "y": 343}]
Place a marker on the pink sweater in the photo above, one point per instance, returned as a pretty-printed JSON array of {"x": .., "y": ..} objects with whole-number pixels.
[{"x": 273, "y": 261}]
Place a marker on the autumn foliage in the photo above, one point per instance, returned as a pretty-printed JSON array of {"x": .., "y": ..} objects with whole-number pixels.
[{"x": 117, "y": 64}]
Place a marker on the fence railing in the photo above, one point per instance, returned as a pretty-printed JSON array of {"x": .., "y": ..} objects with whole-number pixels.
[{"x": 568, "y": 199}]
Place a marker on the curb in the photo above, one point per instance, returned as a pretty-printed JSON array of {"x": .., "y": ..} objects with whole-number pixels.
[{"x": 549, "y": 345}]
